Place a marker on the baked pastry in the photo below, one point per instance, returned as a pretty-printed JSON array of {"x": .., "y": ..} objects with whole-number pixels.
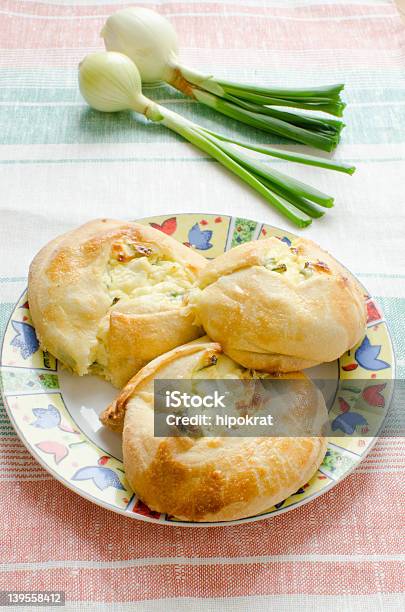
[
  {"x": 278, "y": 307},
  {"x": 212, "y": 478},
  {"x": 108, "y": 297}
]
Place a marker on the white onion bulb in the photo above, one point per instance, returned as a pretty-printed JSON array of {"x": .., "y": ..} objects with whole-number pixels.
[
  {"x": 146, "y": 37},
  {"x": 111, "y": 82}
]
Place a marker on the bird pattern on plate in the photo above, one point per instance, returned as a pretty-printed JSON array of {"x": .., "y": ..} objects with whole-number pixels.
[
  {"x": 101, "y": 476},
  {"x": 25, "y": 339},
  {"x": 47, "y": 418}
]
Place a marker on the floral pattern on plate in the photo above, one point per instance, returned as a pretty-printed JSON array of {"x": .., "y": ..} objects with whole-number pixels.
[{"x": 35, "y": 403}]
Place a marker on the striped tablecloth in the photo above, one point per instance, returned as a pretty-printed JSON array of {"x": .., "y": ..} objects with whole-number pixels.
[{"x": 62, "y": 164}]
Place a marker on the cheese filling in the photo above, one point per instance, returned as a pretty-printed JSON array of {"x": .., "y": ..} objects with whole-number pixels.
[
  {"x": 139, "y": 281},
  {"x": 294, "y": 266}
]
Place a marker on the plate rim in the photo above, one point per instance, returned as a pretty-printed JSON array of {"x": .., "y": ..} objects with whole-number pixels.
[{"x": 178, "y": 523}]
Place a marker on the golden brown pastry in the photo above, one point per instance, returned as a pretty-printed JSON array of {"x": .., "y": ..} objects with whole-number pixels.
[
  {"x": 107, "y": 297},
  {"x": 278, "y": 307},
  {"x": 212, "y": 478}
]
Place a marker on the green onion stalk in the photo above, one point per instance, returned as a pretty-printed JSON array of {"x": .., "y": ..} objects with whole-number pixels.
[
  {"x": 151, "y": 42},
  {"x": 111, "y": 82}
]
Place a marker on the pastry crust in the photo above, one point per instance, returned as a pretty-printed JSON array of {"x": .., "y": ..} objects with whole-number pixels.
[
  {"x": 211, "y": 478},
  {"x": 278, "y": 307},
  {"x": 71, "y": 288}
]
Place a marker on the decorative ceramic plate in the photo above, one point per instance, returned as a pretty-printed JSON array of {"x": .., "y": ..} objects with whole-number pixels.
[{"x": 56, "y": 413}]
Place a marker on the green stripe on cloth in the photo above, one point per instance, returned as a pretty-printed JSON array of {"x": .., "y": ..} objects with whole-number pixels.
[
  {"x": 5, "y": 311},
  {"x": 385, "y": 96},
  {"x": 153, "y": 158},
  {"x": 394, "y": 311},
  {"x": 367, "y": 77},
  {"x": 393, "y": 308},
  {"x": 92, "y": 160},
  {"x": 79, "y": 124}
]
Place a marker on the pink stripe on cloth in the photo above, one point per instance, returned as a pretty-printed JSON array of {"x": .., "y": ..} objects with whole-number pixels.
[
  {"x": 216, "y": 31},
  {"x": 171, "y": 8},
  {"x": 305, "y": 60},
  {"x": 351, "y": 519}
]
